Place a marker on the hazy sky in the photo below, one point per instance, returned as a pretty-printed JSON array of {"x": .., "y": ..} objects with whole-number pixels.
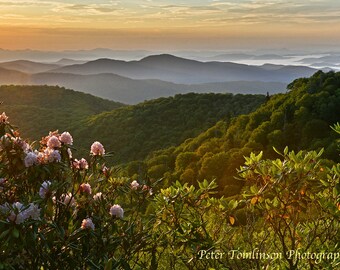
[{"x": 170, "y": 25}]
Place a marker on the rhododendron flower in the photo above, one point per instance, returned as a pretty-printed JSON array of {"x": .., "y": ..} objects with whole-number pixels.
[
  {"x": 3, "y": 118},
  {"x": 86, "y": 188},
  {"x": 68, "y": 199},
  {"x": 117, "y": 211},
  {"x": 2, "y": 180},
  {"x": 147, "y": 188},
  {"x": 22, "y": 144},
  {"x": 134, "y": 185},
  {"x": 52, "y": 155},
  {"x": 69, "y": 152},
  {"x": 18, "y": 213},
  {"x": 97, "y": 149},
  {"x": 87, "y": 224},
  {"x": 42, "y": 158},
  {"x": 66, "y": 138},
  {"x": 80, "y": 164},
  {"x": 83, "y": 165},
  {"x": 33, "y": 212},
  {"x": 97, "y": 196},
  {"x": 31, "y": 159},
  {"x": 44, "y": 189},
  {"x": 105, "y": 171},
  {"x": 75, "y": 164},
  {"x": 53, "y": 142}
]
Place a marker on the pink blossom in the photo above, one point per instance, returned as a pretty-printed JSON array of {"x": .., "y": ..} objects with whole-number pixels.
[
  {"x": 33, "y": 212},
  {"x": 2, "y": 181},
  {"x": 106, "y": 171},
  {"x": 147, "y": 188},
  {"x": 75, "y": 164},
  {"x": 30, "y": 159},
  {"x": 18, "y": 213},
  {"x": 22, "y": 144},
  {"x": 117, "y": 211},
  {"x": 69, "y": 152},
  {"x": 87, "y": 224},
  {"x": 134, "y": 185},
  {"x": 97, "y": 196},
  {"x": 53, "y": 142},
  {"x": 86, "y": 188},
  {"x": 3, "y": 118},
  {"x": 44, "y": 189},
  {"x": 97, "y": 149},
  {"x": 83, "y": 165},
  {"x": 66, "y": 138},
  {"x": 68, "y": 199},
  {"x": 80, "y": 164},
  {"x": 52, "y": 155}
]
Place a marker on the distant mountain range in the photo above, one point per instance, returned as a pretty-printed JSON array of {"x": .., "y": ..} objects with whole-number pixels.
[
  {"x": 53, "y": 56},
  {"x": 132, "y": 91},
  {"x": 28, "y": 66},
  {"x": 180, "y": 70},
  {"x": 152, "y": 77}
]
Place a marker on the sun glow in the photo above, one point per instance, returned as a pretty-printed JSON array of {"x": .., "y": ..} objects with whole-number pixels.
[{"x": 58, "y": 25}]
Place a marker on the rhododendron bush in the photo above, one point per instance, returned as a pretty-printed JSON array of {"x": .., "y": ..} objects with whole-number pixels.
[
  {"x": 56, "y": 210},
  {"x": 59, "y": 211}
]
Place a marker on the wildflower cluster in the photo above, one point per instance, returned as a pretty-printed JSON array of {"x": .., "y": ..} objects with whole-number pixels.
[
  {"x": 18, "y": 213},
  {"x": 47, "y": 194}
]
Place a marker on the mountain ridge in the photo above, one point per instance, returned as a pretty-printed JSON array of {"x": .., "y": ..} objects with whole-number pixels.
[
  {"x": 131, "y": 91},
  {"x": 175, "y": 69},
  {"x": 300, "y": 119}
]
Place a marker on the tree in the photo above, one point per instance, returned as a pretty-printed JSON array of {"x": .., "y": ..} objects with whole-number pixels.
[{"x": 297, "y": 200}]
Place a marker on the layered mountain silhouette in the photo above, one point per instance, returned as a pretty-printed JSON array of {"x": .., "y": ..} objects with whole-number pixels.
[
  {"x": 179, "y": 70},
  {"x": 152, "y": 77},
  {"x": 28, "y": 66},
  {"x": 132, "y": 91}
]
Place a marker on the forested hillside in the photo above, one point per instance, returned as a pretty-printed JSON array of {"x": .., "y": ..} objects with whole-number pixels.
[
  {"x": 60, "y": 207},
  {"x": 186, "y": 137},
  {"x": 300, "y": 119},
  {"x": 46, "y": 108},
  {"x": 132, "y": 132}
]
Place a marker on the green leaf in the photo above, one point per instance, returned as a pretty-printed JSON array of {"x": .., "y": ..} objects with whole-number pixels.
[
  {"x": 254, "y": 189},
  {"x": 108, "y": 265},
  {"x": 320, "y": 152},
  {"x": 277, "y": 151},
  {"x": 15, "y": 233},
  {"x": 285, "y": 151},
  {"x": 275, "y": 202},
  {"x": 4, "y": 234}
]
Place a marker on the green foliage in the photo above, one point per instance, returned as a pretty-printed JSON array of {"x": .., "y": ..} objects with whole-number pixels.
[
  {"x": 60, "y": 212},
  {"x": 296, "y": 198},
  {"x": 37, "y": 109},
  {"x": 133, "y": 132},
  {"x": 299, "y": 119}
]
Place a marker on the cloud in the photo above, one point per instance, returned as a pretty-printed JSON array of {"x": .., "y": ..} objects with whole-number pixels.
[
  {"x": 166, "y": 13},
  {"x": 279, "y": 11},
  {"x": 94, "y": 8}
]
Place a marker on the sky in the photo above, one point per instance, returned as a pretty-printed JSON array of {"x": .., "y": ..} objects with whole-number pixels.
[{"x": 169, "y": 25}]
